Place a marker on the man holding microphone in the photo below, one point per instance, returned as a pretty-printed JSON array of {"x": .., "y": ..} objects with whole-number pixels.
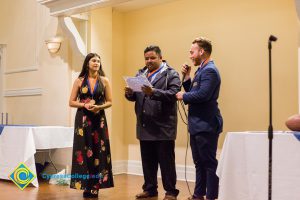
[{"x": 205, "y": 122}]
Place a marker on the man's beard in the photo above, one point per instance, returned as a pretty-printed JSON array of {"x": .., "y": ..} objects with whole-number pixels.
[{"x": 197, "y": 61}]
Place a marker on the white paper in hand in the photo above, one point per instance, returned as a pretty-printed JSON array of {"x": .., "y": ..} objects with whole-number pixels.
[{"x": 136, "y": 83}]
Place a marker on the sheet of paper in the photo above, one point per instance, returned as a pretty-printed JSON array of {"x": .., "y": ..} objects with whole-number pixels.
[{"x": 136, "y": 83}]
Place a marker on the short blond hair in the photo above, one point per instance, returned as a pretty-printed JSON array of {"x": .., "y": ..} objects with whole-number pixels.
[{"x": 203, "y": 43}]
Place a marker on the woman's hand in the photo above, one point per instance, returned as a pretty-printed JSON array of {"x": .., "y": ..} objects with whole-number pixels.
[
  {"x": 94, "y": 108},
  {"x": 87, "y": 106}
]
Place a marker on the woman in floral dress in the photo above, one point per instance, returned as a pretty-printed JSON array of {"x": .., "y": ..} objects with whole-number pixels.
[{"x": 91, "y": 163}]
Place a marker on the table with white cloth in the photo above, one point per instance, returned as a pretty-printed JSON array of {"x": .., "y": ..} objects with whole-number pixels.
[
  {"x": 243, "y": 166},
  {"x": 20, "y": 143}
]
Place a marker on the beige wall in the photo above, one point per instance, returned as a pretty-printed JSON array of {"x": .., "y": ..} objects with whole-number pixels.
[
  {"x": 239, "y": 31},
  {"x": 101, "y": 42},
  {"x": 25, "y": 25},
  {"x": 119, "y": 145},
  {"x": 107, "y": 39}
]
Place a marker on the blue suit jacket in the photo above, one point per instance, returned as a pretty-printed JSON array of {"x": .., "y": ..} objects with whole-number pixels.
[{"x": 201, "y": 95}]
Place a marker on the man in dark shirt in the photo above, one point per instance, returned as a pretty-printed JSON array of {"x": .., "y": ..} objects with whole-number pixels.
[{"x": 156, "y": 126}]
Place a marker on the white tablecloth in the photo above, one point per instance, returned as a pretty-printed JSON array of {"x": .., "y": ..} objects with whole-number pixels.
[
  {"x": 243, "y": 166},
  {"x": 19, "y": 144}
]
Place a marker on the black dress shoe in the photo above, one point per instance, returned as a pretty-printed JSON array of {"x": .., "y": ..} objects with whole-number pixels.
[
  {"x": 145, "y": 195},
  {"x": 170, "y": 197},
  {"x": 195, "y": 198},
  {"x": 90, "y": 194}
]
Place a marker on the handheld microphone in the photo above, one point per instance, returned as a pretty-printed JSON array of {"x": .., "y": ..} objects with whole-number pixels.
[
  {"x": 272, "y": 38},
  {"x": 187, "y": 68}
]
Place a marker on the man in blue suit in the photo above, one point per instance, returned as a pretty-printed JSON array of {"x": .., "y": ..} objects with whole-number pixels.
[{"x": 205, "y": 122}]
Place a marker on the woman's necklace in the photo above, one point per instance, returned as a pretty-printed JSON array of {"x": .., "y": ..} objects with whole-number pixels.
[{"x": 92, "y": 92}]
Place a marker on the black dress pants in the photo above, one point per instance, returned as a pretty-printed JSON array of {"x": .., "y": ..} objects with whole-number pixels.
[{"x": 160, "y": 153}]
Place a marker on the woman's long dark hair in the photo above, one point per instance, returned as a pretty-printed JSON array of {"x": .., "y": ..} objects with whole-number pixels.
[{"x": 85, "y": 67}]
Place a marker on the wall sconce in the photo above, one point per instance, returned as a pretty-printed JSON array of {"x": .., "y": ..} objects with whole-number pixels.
[{"x": 54, "y": 44}]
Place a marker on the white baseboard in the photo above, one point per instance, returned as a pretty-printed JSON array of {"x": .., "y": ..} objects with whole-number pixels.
[
  {"x": 119, "y": 167},
  {"x": 134, "y": 167},
  {"x": 186, "y": 173}
]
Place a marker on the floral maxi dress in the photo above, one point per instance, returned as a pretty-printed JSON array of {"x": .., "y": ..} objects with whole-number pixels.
[{"x": 91, "y": 158}]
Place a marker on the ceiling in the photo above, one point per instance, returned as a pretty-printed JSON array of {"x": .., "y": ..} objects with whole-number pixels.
[{"x": 138, "y": 4}]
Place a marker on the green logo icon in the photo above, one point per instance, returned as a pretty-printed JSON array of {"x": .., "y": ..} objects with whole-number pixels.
[{"x": 22, "y": 176}]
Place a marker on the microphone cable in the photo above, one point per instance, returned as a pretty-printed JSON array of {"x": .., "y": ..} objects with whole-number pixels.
[{"x": 185, "y": 121}]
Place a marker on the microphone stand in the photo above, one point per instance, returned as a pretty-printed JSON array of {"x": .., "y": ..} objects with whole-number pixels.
[{"x": 270, "y": 129}]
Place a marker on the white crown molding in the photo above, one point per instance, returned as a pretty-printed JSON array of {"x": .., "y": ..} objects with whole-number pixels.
[
  {"x": 69, "y": 7},
  {"x": 21, "y": 70},
  {"x": 81, "y": 16},
  {"x": 46, "y": 1},
  {"x": 23, "y": 92}
]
